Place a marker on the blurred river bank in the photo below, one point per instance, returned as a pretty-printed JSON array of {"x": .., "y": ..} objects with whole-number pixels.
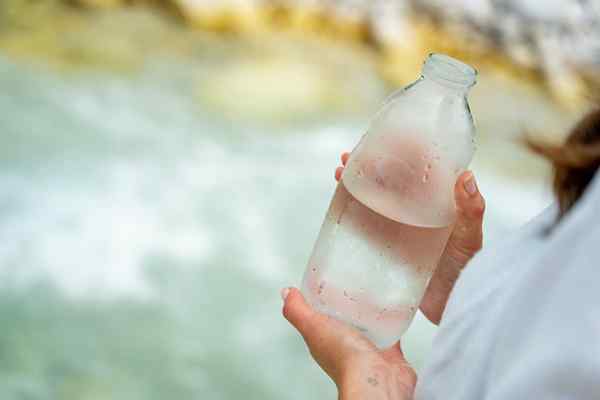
[{"x": 159, "y": 184}]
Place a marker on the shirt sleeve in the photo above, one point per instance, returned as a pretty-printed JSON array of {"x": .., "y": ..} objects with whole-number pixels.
[{"x": 549, "y": 346}]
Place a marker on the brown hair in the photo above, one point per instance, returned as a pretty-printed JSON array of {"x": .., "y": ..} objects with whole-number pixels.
[{"x": 575, "y": 162}]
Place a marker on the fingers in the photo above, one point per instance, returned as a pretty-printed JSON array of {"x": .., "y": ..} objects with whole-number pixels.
[
  {"x": 469, "y": 201},
  {"x": 318, "y": 330},
  {"x": 338, "y": 173},
  {"x": 467, "y": 235},
  {"x": 345, "y": 157},
  {"x": 297, "y": 311},
  {"x": 465, "y": 240},
  {"x": 339, "y": 170}
]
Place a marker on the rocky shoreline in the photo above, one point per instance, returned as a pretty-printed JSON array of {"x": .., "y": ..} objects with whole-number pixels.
[
  {"x": 556, "y": 41},
  {"x": 554, "y": 45}
]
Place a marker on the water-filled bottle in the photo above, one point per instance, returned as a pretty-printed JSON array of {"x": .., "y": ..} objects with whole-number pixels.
[{"x": 391, "y": 215}]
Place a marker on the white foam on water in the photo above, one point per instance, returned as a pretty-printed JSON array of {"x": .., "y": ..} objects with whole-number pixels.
[{"x": 130, "y": 190}]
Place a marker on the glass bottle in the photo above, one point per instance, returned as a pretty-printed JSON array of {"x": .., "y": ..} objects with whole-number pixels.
[{"x": 391, "y": 215}]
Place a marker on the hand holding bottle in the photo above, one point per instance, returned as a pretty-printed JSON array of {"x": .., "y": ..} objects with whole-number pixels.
[
  {"x": 358, "y": 368},
  {"x": 395, "y": 209}
]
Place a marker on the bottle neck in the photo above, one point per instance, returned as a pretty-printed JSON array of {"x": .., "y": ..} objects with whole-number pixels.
[
  {"x": 443, "y": 87},
  {"x": 449, "y": 73}
]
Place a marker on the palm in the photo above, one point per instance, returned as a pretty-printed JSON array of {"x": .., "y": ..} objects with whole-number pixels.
[{"x": 347, "y": 356}]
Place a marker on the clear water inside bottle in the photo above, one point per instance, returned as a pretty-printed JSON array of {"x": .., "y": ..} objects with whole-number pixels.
[
  {"x": 369, "y": 270},
  {"x": 391, "y": 215}
]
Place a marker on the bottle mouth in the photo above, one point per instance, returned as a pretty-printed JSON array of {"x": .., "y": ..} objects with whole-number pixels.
[{"x": 449, "y": 71}]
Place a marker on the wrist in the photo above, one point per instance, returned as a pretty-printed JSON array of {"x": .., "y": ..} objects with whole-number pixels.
[
  {"x": 373, "y": 381},
  {"x": 347, "y": 379}
]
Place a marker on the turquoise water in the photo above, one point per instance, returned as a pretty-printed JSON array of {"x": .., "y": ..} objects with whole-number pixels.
[
  {"x": 144, "y": 237},
  {"x": 144, "y": 242}
]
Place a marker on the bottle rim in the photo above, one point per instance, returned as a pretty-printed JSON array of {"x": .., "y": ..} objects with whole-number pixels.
[{"x": 449, "y": 71}]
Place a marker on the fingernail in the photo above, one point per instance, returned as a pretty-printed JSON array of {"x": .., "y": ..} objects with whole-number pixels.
[
  {"x": 284, "y": 293},
  {"x": 471, "y": 185}
]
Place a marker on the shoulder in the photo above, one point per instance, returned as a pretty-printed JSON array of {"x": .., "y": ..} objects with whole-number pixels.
[
  {"x": 547, "y": 326},
  {"x": 522, "y": 321}
]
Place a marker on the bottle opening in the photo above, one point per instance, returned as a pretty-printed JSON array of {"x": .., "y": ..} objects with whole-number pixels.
[{"x": 449, "y": 71}]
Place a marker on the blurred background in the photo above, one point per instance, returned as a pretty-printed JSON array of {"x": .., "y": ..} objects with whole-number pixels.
[{"x": 165, "y": 166}]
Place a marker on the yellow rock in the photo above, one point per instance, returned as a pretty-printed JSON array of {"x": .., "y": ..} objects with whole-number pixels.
[
  {"x": 52, "y": 34},
  {"x": 99, "y": 3},
  {"x": 222, "y": 18},
  {"x": 268, "y": 90},
  {"x": 401, "y": 65}
]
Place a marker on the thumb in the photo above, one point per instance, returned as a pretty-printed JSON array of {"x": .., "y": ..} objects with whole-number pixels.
[
  {"x": 467, "y": 236},
  {"x": 331, "y": 343},
  {"x": 321, "y": 333},
  {"x": 297, "y": 311}
]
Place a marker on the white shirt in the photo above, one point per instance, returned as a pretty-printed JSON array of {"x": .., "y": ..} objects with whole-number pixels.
[{"x": 523, "y": 321}]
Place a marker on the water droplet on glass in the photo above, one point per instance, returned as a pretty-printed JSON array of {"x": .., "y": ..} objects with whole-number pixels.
[{"x": 321, "y": 287}]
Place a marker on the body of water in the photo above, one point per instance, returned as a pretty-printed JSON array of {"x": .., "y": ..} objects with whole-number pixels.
[{"x": 144, "y": 234}]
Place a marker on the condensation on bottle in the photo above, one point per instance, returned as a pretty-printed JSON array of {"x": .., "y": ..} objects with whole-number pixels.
[{"x": 390, "y": 217}]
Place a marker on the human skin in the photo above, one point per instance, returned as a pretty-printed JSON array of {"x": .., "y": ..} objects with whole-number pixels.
[{"x": 358, "y": 368}]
